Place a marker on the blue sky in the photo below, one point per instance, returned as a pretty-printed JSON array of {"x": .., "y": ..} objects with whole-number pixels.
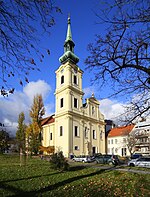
[{"x": 84, "y": 28}]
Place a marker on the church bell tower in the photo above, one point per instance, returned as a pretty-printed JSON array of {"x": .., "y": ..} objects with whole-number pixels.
[{"x": 68, "y": 93}]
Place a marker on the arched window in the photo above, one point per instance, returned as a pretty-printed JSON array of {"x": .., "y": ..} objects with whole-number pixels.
[
  {"x": 61, "y": 131},
  {"x": 61, "y": 102},
  {"x": 75, "y": 79},
  {"x": 75, "y": 102},
  {"x": 62, "y": 79}
]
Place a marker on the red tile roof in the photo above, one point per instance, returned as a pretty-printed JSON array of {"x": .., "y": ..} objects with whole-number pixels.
[
  {"x": 120, "y": 131},
  {"x": 47, "y": 120}
]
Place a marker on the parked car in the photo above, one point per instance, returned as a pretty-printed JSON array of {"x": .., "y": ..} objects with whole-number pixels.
[
  {"x": 136, "y": 155},
  {"x": 140, "y": 162},
  {"x": 107, "y": 159},
  {"x": 96, "y": 155},
  {"x": 83, "y": 158}
]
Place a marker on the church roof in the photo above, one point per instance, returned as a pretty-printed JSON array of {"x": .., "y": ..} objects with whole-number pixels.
[
  {"x": 47, "y": 120},
  {"x": 120, "y": 131}
]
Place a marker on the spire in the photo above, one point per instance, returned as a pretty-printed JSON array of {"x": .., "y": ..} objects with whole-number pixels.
[
  {"x": 69, "y": 35},
  {"x": 69, "y": 47}
]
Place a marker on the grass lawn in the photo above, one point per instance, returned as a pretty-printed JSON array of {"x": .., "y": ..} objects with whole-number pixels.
[{"x": 37, "y": 178}]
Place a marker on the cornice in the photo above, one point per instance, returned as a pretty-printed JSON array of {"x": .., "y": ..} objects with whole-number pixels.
[
  {"x": 80, "y": 116},
  {"x": 70, "y": 87}
]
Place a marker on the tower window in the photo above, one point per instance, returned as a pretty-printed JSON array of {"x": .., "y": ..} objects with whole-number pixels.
[
  {"x": 61, "y": 130},
  {"x": 75, "y": 102},
  {"x": 61, "y": 102},
  {"x": 62, "y": 79},
  {"x": 94, "y": 134},
  {"x": 76, "y": 132},
  {"x": 75, "y": 79}
]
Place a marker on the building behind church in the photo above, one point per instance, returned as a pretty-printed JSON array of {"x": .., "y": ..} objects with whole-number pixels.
[{"x": 76, "y": 128}]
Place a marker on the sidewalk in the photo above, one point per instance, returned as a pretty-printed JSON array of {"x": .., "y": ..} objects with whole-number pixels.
[{"x": 119, "y": 168}]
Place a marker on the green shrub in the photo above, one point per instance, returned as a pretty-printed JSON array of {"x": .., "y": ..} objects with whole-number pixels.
[{"x": 58, "y": 161}]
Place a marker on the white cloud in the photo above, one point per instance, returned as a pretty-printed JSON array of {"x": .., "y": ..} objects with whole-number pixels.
[
  {"x": 21, "y": 102},
  {"x": 39, "y": 87},
  {"x": 111, "y": 109},
  {"x": 89, "y": 91},
  {"x": 49, "y": 109}
]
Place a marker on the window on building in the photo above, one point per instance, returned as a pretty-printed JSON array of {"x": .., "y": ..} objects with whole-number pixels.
[
  {"x": 115, "y": 141},
  {"x": 93, "y": 150},
  {"x": 62, "y": 79},
  {"x": 61, "y": 130},
  {"x": 116, "y": 150},
  {"x": 94, "y": 134},
  {"x": 124, "y": 140},
  {"x": 76, "y": 131},
  {"x": 51, "y": 136},
  {"x": 75, "y": 102},
  {"x": 76, "y": 148},
  {"x": 124, "y": 152},
  {"x": 112, "y": 150},
  {"x": 147, "y": 140},
  {"x": 75, "y": 79},
  {"x": 61, "y": 102},
  {"x": 108, "y": 141},
  {"x": 111, "y": 141},
  {"x": 93, "y": 110}
]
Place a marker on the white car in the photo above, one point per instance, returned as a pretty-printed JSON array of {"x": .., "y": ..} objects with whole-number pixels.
[
  {"x": 140, "y": 162},
  {"x": 83, "y": 158}
]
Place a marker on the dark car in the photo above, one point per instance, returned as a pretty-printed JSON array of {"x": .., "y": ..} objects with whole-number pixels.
[
  {"x": 136, "y": 155},
  {"x": 96, "y": 155},
  {"x": 107, "y": 159}
]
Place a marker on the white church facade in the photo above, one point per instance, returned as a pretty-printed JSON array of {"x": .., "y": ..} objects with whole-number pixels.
[{"x": 76, "y": 128}]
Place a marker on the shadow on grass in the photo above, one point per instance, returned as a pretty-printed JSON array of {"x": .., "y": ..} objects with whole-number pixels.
[
  {"x": 76, "y": 168},
  {"x": 20, "y": 192},
  {"x": 59, "y": 184},
  {"x": 27, "y": 178}
]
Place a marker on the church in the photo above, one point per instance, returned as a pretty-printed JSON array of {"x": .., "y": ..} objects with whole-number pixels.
[{"x": 76, "y": 128}]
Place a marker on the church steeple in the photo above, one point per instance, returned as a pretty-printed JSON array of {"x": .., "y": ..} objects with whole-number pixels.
[
  {"x": 69, "y": 35},
  {"x": 69, "y": 47}
]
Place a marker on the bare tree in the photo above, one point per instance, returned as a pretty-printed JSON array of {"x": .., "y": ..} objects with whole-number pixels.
[
  {"x": 20, "y": 24},
  {"x": 121, "y": 57},
  {"x": 131, "y": 142}
]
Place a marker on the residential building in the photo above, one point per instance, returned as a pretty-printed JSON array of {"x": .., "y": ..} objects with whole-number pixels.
[
  {"x": 75, "y": 128},
  {"x": 117, "y": 140},
  {"x": 141, "y": 132}
]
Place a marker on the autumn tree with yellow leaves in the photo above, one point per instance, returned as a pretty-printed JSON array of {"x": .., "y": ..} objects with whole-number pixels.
[{"x": 33, "y": 131}]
